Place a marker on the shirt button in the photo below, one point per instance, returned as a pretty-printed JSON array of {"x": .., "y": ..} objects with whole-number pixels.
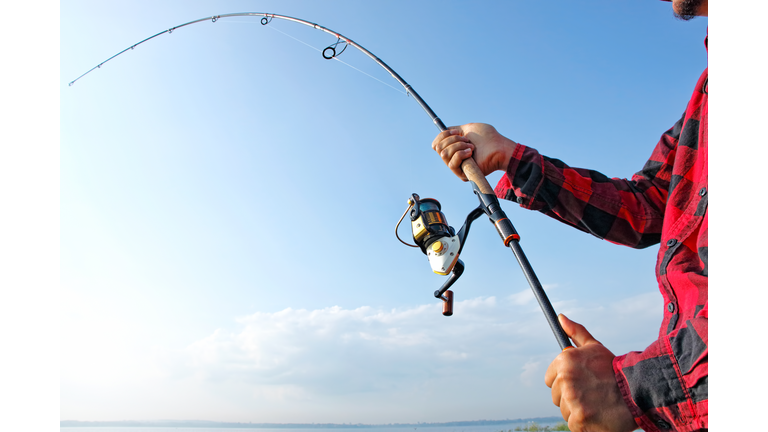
[
  {"x": 662, "y": 424},
  {"x": 703, "y": 191},
  {"x": 671, "y": 242},
  {"x": 671, "y": 307}
]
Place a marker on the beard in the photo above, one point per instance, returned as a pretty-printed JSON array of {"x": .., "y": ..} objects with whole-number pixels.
[{"x": 687, "y": 9}]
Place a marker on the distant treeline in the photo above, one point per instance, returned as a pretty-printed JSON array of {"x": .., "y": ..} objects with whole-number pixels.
[{"x": 212, "y": 424}]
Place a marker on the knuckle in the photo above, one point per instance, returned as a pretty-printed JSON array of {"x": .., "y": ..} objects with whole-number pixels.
[
  {"x": 576, "y": 421},
  {"x": 575, "y": 426}
]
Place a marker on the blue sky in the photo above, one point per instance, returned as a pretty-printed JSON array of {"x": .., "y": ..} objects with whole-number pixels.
[
  {"x": 228, "y": 199},
  {"x": 227, "y": 202}
]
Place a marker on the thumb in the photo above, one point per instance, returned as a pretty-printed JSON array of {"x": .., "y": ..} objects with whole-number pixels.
[{"x": 577, "y": 332}]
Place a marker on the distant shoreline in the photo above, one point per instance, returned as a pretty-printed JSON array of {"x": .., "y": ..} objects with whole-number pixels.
[{"x": 213, "y": 424}]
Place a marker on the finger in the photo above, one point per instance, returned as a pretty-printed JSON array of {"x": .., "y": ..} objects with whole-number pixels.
[
  {"x": 557, "y": 394},
  {"x": 551, "y": 374},
  {"x": 565, "y": 411},
  {"x": 454, "y": 130},
  {"x": 577, "y": 332},
  {"x": 453, "y": 142},
  {"x": 451, "y": 145},
  {"x": 441, "y": 136},
  {"x": 454, "y": 155},
  {"x": 448, "y": 140},
  {"x": 456, "y": 160}
]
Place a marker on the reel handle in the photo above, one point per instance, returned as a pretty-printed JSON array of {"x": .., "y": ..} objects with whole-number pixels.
[{"x": 473, "y": 173}]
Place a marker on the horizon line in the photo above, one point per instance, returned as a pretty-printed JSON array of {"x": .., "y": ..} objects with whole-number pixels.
[{"x": 208, "y": 423}]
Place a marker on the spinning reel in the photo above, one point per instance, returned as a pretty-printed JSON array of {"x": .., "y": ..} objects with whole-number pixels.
[
  {"x": 438, "y": 241},
  {"x": 442, "y": 246}
]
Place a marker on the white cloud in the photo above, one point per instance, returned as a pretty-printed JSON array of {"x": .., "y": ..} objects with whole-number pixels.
[
  {"x": 522, "y": 297},
  {"x": 532, "y": 373},
  {"x": 365, "y": 349},
  {"x": 486, "y": 361},
  {"x": 525, "y": 296},
  {"x": 350, "y": 350}
]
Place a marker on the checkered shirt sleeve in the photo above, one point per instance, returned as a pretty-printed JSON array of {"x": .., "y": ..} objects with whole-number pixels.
[{"x": 627, "y": 212}]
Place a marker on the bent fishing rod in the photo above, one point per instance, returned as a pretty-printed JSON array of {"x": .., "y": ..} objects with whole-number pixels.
[{"x": 431, "y": 231}]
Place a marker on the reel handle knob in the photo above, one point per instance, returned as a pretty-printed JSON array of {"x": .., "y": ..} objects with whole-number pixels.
[{"x": 447, "y": 303}]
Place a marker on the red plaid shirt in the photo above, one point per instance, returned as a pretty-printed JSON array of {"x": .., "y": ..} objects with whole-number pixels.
[{"x": 665, "y": 386}]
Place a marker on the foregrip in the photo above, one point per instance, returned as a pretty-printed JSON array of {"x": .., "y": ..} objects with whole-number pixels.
[
  {"x": 541, "y": 296},
  {"x": 510, "y": 237}
]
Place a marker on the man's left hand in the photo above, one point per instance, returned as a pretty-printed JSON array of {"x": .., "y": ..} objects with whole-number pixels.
[{"x": 584, "y": 386}]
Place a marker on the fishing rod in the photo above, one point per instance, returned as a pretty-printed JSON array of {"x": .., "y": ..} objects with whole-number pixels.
[{"x": 431, "y": 231}]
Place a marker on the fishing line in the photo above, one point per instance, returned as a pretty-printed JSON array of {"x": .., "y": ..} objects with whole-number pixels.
[
  {"x": 364, "y": 73},
  {"x": 334, "y": 58}
]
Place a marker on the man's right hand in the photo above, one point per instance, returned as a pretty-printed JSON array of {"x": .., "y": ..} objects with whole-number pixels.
[{"x": 490, "y": 149}]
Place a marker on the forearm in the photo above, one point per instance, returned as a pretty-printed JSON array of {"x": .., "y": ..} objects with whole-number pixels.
[{"x": 628, "y": 212}]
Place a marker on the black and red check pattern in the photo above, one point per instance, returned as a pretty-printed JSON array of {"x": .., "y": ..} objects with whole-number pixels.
[{"x": 666, "y": 385}]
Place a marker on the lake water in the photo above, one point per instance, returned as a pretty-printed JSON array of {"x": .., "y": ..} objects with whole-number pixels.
[{"x": 486, "y": 428}]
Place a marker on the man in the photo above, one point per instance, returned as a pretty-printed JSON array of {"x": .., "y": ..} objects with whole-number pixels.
[{"x": 664, "y": 387}]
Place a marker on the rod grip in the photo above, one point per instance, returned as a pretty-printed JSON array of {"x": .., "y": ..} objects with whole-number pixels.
[{"x": 473, "y": 173}]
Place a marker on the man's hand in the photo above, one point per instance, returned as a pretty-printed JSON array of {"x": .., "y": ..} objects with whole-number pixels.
[
  {"x": 584, "y": 386},
  {"x": 492, "y": 150}
]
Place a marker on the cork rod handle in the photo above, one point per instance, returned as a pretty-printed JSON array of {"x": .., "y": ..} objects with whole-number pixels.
[{"x": 473, "y": 173}]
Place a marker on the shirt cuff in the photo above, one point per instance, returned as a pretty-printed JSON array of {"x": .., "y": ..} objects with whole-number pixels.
[{"x": 523, "y": 178}]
